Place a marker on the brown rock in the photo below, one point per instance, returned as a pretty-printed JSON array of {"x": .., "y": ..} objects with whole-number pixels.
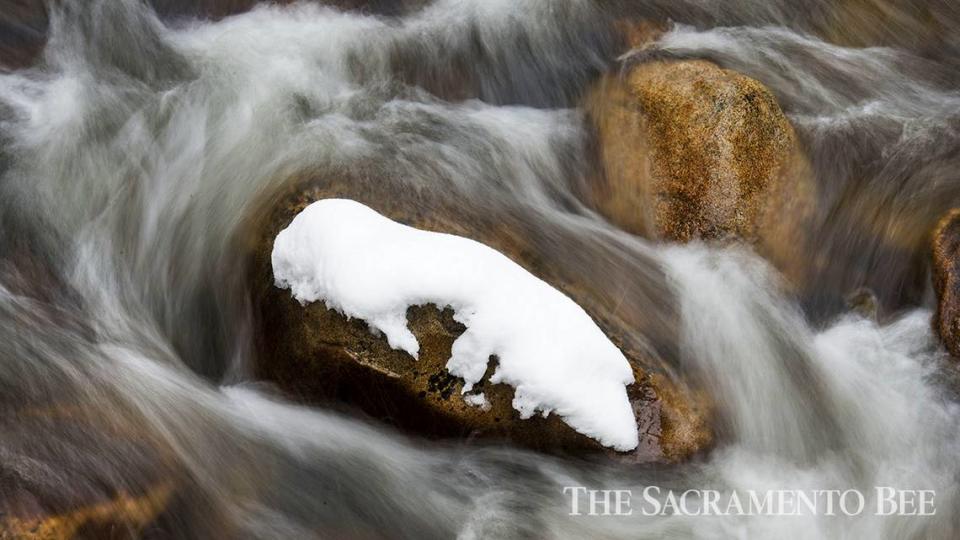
[
  {"x": 66, "y": 475},
  {"x": 946, "y": 280},
  {"x": 917, "y": 25},
  {"x": 639, "y": 33},
  {"x": 122, "y": 517},
  {"x": 692, "y": 151},
  {"x": 319, "y": 355},
  {"x": 864, "y": 302}
]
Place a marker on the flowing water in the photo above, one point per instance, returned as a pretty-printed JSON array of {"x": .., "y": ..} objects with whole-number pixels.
[{"x": 134, "y": 150}]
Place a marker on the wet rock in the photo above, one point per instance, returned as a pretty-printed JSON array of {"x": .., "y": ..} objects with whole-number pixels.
[
  {"x": 23, "y": 28},
  {"x": 690, "y": 151},
  {"x": 946, "y": 280},
  {"x": 639, "y": 33},
  {"x": 917, "y": 25},
  {"x": 64, "y": 475},
  {"x": 864, "y": 302},
  {"x": 122, "y": 517},
  {"x": 320, "y": 356}
]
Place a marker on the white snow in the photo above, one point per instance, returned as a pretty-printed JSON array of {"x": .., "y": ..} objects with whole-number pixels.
[
  {"x": 477, "y": 400},
  {"x": 366, "y": 266}
]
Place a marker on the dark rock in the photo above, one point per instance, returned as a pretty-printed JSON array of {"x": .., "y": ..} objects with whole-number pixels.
[{"x": 64, "y": 475}]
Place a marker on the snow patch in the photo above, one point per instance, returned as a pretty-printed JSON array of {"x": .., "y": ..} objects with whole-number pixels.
[
  {"x": 366, "y": 266},
  {"x": 477, "y": 400}
]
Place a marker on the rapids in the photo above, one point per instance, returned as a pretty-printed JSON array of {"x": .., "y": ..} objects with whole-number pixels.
[{"x": 135, "y": 147}]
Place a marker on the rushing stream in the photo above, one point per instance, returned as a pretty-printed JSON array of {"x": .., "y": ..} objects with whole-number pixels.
[{"x": 134, "y": 150}]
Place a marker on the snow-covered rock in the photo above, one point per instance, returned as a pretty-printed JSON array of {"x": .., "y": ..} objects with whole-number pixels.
[{"x": 368, "y": 267}]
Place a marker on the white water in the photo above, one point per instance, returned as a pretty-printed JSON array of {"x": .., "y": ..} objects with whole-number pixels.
[{"x": 134, "y": 152}]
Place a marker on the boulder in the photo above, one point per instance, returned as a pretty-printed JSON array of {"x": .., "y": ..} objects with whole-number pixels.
[
  {"x": 320, "y": 356},
  {"x": 946, "y": 280},
  {"x": 690, "y": 151}
]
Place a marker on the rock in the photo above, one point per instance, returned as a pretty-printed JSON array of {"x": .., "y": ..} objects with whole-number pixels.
[
  {"x": 863, "y": 302},
  {"x": 23, "y": 28},
  {"x": 102, "y": 520},
  {"x": 916, "y": 25},
  {"x": 692, "y": 151},
  {"x": 946, "y": 280},
  {"x": 639, "y": 33},
  {"x": 320, "y": 356},
  {"x": 64, "y": 475}
]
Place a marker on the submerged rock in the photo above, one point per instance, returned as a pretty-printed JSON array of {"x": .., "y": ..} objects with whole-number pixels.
[
  {"x": 64, "y": 475},
  {"x": 105, "y": 519},
  {"x": 637, "y": 34},
  {"x": 946, "y": 280},
  {"x": 864, "y": 302},
  {"x": 689, "y": 151},
  {"x": 320, "y": 355},
  {"x": 916, "y": 25}
]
